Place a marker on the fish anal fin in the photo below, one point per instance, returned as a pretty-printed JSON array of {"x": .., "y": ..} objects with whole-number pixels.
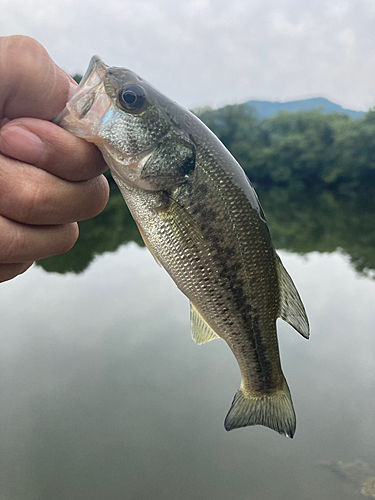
[
  {"x": 146, "y": 242},
  {"x": 291, "y": 308},
  {"x": 273, "y": 410},
  {"x": 200, "y": 330}
]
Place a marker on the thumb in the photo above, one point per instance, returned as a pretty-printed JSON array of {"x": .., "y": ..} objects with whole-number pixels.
[{"x": 31, "y": 84}]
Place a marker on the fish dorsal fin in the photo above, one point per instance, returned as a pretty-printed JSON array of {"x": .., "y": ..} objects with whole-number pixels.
[
  {"x": 291, "y": 308},
  {"x": 200, "y": 330}
]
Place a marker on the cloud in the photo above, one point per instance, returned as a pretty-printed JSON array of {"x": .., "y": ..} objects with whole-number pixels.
[{"x": 214, "y": 52}]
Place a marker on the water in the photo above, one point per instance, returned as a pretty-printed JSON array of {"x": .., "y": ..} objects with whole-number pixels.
[{"x": 104, "y": 395}]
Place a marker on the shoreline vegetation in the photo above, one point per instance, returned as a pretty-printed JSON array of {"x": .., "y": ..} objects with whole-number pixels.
[{"x": 314, "y": 174}]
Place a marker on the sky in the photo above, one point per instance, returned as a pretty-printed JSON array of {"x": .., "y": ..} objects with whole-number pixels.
[{"x": 214, "y": 52}]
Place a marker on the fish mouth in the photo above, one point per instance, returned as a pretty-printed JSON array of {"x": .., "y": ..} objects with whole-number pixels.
[
  {"x": 83, "y": 113},
  {"x": 96, "y": 66}
]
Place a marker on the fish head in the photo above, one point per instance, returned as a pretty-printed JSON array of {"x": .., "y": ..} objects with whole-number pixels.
[{"x": 142, "y": 134}]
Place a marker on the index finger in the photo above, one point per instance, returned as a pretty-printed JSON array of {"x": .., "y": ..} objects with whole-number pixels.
[
  {"x": 31, "y": 84},
  {"x": 48, "y": 146}
]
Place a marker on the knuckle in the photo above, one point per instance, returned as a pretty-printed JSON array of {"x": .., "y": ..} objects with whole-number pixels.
[
  {"x": 34, "y": 85},
  {"x": 29, "y": 201},
  {"x": 22, "y": 52},
  {"x": 35, "y": 202},
  {"x": 12, "y": 243},
  {"x": 27, "y": 194}
]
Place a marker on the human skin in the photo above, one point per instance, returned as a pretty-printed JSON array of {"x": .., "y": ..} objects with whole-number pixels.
[{"x": 49, "y": 179}]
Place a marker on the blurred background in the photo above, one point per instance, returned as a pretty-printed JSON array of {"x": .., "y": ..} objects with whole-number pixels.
[{"x": 103, "y": 394}]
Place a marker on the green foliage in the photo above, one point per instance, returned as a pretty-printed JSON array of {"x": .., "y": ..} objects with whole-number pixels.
[
  {"x": 234, "y": 125},
  {"x": 298, "y": 150},
  {"x": 77, "y": 77}
]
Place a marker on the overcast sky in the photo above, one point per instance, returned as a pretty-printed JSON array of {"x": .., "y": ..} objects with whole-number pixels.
[{"x": 213, "y": 52}]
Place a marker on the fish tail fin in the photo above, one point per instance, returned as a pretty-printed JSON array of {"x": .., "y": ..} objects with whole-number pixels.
[{"x": 273, "y": 410}]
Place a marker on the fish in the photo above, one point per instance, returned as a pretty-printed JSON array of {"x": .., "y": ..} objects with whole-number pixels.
[{"x": 201, "y": 219}]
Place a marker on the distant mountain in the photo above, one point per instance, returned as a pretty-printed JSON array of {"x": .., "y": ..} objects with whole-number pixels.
[{"x": 268, "y": 108}]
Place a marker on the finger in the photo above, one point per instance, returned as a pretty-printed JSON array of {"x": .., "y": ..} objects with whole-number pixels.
[
  {"x": 10, "y": 271},
  {"x": 31, "y": 83},
  {"x": 22, "y": 243},
  {"x": 31, "y": 195},
  {"x": 51, "y": 148}
]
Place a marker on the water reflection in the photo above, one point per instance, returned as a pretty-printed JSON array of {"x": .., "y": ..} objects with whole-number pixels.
[
  {"x": 323, "y": 221},
  {"x": 105, "y": 395},
  {"x": 358, "y": 472},
  {"x": 299, "y": 221}
]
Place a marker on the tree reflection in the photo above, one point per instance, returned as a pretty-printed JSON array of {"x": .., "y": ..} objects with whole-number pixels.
[
  {"x": 307, "y": 221},
  {"x": 300, "y": 221}
]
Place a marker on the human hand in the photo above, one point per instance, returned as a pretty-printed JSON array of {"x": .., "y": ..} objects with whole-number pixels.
[{"x": 49, "y": 179}]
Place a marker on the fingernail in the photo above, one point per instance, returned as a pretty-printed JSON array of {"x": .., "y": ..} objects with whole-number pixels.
[{"x": 21, "y": 144}]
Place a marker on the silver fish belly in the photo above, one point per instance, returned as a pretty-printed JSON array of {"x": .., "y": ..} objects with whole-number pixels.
[{"x": 201, "y": 219}]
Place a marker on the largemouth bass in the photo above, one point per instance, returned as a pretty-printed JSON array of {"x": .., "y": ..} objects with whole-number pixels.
[{"x": 201, "y": 219}]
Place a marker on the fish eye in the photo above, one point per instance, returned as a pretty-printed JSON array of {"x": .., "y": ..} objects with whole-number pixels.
[{"x": 132, "y": 97}]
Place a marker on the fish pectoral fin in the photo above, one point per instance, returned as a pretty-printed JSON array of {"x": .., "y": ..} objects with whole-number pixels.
[
  {"x": 200, "y": 330},
  {"x": 146, "y": 242},
  {"x": 183, "y": 225},
  {"x": 291, "y": 308}
]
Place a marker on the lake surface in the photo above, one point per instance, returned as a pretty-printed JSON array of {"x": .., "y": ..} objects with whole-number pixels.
[{"x": 104, "y": 395}]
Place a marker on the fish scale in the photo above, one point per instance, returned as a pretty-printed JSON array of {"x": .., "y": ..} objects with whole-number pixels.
[
  {"x": 201, "y": 219},
  {"x": 236, "y": 295}
]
